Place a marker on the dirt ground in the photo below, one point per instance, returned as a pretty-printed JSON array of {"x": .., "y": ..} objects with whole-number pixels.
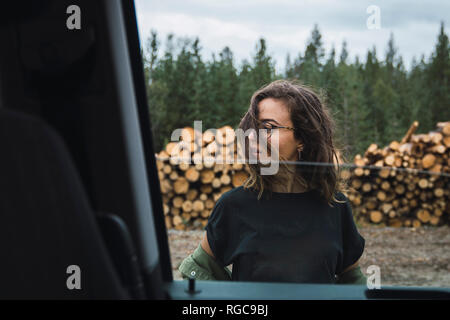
[{"x": 406, "y": 256}]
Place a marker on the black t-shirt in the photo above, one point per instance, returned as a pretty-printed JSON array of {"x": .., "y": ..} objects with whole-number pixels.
[{"x": 290, "y": 237}]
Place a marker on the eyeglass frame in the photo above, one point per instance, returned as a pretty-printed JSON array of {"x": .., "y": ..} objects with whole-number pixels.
[{"x": 273, "y": 127}]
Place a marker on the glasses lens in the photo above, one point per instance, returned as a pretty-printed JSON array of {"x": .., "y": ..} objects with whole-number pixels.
[{"x": 266, "y": 129}]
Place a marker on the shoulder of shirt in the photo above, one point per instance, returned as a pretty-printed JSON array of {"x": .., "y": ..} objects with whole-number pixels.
[
  {"x": 341, "y": 197},
  {"x": 235, "y": 195}
]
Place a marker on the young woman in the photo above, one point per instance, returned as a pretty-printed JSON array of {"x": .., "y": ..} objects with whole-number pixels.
[{"x": 292, "y": 226}]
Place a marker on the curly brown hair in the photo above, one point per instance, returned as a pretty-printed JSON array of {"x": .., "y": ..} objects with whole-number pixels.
[{"x": 314, "y": 126}]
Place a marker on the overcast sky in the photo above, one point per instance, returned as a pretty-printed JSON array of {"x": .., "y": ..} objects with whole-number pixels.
[{"x": 286, "y": 25}]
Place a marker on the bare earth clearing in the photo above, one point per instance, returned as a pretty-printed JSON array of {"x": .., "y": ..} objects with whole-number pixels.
[{"x": 406, "y": 256}]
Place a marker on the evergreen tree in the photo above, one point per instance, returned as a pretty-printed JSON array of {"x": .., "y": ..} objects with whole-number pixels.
[
  {"x": 330, "y": 80},
  {"x": 371, "y": 74},
  {"x": 289, "y": 68},
  {"x": 417, "y": 95},
  {"x": 225, "y": 85},
  {"x": 344, "y": 53},
  {"x": 246, "y": 87},
  {"x": 202, "y": 98},
  {"x": 309, "y": 66},
  {"x": 391, "y": 101},
  {"x": 263, "y": 70},
  {"x": 373, "y": 101},
  {"x": 438, "y": 79}
]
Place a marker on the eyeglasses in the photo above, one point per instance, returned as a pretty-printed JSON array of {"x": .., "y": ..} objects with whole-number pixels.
[{"x": 269, "y": 127}]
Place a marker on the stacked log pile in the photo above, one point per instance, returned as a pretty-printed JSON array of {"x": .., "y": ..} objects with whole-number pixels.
[
  {"x": 195, "y": 172},
  {"x": 405, "y": 183}
]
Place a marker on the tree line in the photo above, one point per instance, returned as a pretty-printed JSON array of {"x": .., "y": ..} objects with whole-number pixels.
[{"x": 372, "y": 101}]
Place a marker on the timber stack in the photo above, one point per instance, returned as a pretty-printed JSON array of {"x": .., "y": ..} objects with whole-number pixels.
[
  {"x": 405, "y": 183},
  {"x": 195, "y": 172}
]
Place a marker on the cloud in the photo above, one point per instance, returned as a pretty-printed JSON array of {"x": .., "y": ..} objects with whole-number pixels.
[{"x": 286, "y": 25}]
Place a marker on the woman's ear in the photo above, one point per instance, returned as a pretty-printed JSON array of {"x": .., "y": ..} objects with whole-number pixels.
[{"x": 299, "y": 150}]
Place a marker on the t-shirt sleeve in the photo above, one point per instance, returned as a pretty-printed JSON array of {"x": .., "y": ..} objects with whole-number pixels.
[
  {"x": 217, "y": 231},
  {"x": 352, "y": 242}
]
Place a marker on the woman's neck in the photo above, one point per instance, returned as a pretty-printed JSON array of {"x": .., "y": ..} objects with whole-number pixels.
[{"x": 285, "y": 181}]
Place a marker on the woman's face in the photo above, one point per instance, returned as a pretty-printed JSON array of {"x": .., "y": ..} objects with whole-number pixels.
[{"x": 275, "y": 112}]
